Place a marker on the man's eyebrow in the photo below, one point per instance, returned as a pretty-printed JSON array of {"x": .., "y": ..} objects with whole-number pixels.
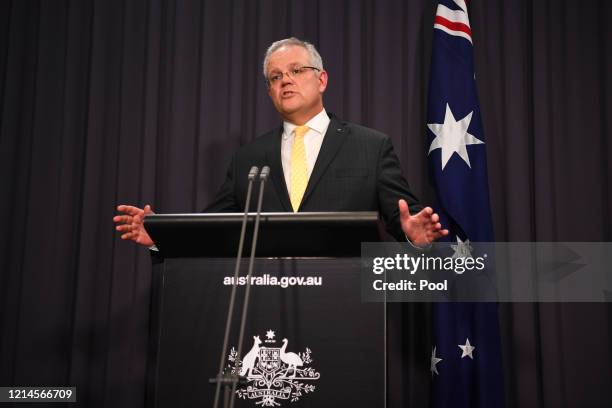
[{"x": 291, "y": 65}]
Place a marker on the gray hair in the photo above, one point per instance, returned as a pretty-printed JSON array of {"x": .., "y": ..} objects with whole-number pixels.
[{"x": 315, "y": 57}]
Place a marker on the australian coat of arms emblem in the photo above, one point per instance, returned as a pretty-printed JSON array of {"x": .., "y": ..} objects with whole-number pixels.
[{"x": 273, "y": 374}]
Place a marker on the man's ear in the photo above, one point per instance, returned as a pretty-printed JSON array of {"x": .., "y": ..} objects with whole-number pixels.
[{"x": 322, "y": 81}]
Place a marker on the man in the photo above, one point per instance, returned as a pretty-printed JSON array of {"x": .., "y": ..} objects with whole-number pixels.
[{"x": 317, "y": 162}]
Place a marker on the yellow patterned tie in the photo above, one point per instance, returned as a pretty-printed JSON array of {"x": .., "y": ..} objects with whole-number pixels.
[{"x": 299, "y": 168}]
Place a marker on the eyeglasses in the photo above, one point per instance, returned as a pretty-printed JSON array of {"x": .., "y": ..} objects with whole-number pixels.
[{"x": 277, "y": 77}]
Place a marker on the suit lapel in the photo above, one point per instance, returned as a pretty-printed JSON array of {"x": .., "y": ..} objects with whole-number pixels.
[
  {"x": 273, "y": 157},
  {"x": 333, "y": 140}
]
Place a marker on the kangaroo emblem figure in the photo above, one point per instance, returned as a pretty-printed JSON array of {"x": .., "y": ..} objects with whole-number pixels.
[
  {"x": 248, "y": 362},
  {"x": 291, "y": 359}
]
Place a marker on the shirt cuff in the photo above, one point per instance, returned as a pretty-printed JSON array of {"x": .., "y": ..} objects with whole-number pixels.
[{"x": 418, "y": 247}]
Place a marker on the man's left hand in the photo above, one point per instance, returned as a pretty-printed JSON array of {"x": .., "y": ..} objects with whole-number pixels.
[{"x": 422, "y": 228}]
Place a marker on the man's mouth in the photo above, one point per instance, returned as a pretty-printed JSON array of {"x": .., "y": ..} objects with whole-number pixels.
[{"x": 288, "y": 94}]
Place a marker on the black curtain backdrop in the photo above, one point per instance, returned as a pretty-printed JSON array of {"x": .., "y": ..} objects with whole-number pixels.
[{"x": 111, "y": 101}]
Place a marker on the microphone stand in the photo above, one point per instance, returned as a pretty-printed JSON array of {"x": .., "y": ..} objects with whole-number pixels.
[
  {"x": 265, "y": 171},
  {"x": 228, "y": 379}
]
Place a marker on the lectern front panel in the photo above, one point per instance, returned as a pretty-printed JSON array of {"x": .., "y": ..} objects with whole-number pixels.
[{"x": 309, "y": 340}]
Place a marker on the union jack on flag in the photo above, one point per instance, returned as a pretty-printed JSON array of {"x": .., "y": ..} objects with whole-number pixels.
[{"x": 466, "y": 362}]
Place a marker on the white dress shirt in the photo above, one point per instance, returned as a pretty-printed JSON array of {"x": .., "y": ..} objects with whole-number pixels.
[{"x": 313, "y": 139}]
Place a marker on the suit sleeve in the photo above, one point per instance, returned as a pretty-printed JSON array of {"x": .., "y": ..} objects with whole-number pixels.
[
  {"x": 392, "y": 186},
  {"x": 225, "y": 200}
]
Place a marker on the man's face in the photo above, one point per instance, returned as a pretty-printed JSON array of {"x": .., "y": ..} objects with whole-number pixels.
[{"x": 299, "y": 97}]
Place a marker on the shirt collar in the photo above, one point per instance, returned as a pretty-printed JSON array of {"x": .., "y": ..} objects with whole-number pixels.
[{"x": 318, "y": 123}]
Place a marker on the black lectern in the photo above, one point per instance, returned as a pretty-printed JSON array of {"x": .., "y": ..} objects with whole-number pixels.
[{"x": 310, "y": 341}]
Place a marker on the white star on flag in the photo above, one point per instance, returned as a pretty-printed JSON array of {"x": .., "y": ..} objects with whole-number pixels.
[
  {"x": 463, "y": 249},
  {"x": 270, "y": 334},
  {"x": 434, "y": 360},
  {"x": 452, "y": 137},
  {"x": 467, "y": 349}
]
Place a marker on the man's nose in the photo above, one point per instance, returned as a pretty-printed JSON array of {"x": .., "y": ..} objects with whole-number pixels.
[{"x": 287, "y": 79}]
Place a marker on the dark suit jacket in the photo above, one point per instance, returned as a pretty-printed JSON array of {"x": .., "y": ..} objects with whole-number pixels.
[{"x": 356, "y": 170}]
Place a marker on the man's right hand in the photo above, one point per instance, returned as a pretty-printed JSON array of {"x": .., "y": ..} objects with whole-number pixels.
[{"x": 131, "y": 224}]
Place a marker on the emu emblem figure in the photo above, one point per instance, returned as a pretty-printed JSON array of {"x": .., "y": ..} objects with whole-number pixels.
[{"x": 291, "y": 359}]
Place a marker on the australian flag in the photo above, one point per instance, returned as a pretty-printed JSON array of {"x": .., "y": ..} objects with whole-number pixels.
[{"x": 466, "y": 361}]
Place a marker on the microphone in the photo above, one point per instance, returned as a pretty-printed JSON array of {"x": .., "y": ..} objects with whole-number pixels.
[
  {"x": 265, "y": 172},
  {"x": 230, "y": 310},
  {"x": 252, "y": 174},
  {"x": 263, "y": 177}
]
